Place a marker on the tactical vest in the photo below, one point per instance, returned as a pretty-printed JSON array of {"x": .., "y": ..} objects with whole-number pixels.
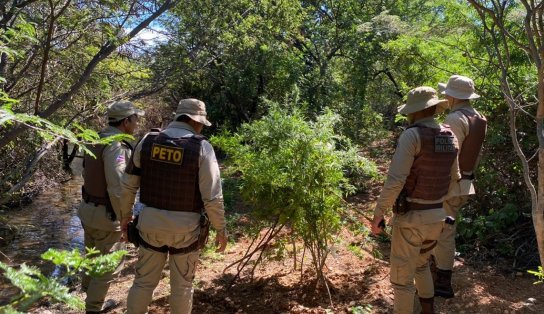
[
  {"x": 430, "y": 175},
  {"x": 94, "y": 178},
  {"x": 472, "y": 145},
  {"x": 95, "y": 187},
  {"x": 169, "y": 172}
]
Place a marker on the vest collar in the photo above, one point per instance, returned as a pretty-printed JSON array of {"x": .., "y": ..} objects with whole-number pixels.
[
  {"x": 111, "y": 130},
  {"x": 464, "y": 104},
  {"x": 429, "y": 122},
  {"x": 181, "y": 125}
]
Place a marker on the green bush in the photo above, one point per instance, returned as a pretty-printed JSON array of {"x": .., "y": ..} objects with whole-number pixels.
[
  {"x": 34, "y": 285},
  {"x": 294, "y": 173}
]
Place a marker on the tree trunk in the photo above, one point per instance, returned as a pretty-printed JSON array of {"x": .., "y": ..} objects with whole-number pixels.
[
  {"x": 30, "y": 169},
  {"x": 538, "y": 208},
  {"x": 105, "y": 51}
]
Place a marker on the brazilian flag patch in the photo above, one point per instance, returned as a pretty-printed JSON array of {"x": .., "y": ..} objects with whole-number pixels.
[{"x": 167, "y": 154}]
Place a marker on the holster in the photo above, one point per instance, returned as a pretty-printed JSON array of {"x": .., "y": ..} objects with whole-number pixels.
[
  {"x": 204, "y": 231},
  {"x": 401, "y": 204},
  {"x": 133, "y": 234},
  {"x": 109, "y": 209}
]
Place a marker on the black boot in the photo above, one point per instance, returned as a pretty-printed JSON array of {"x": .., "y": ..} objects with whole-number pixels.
[
  {"x": 442, "y": 284},
  {"x": 427, "y": 305}
]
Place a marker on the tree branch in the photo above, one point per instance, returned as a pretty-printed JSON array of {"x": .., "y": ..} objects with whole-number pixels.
[{"x": 102, "y": 54}]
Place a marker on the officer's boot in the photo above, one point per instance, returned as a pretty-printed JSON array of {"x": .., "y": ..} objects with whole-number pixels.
[
  {"x": 427, "y": 305},
  {"x": 442, "y": 284}
]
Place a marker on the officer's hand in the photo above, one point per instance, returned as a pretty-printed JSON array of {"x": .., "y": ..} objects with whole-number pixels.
[
  {"x": 377, "y": 228},
  {"x": 220, "y": 242},
  {"x": 124, "y": 223}
]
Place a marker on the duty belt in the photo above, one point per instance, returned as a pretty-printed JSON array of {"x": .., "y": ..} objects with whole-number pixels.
[
  {"x": 417, "y": 206},
  {"x": 99, "y": 201},
  {"x": 135, "y": 238},
  {"x": 93, "y": 199},
  {"x": 169, "y": 249}
]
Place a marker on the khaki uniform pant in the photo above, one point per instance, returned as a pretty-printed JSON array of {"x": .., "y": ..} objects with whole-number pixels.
[
  {"x": 97, "y": 287},
  {"x": 148, "y": 274},
  {"x": 409, "y": 263},
  {"x": 444, "y": 252}
]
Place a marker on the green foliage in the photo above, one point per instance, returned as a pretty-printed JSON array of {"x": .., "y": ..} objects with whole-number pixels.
[
  {"x": 48, "y": 130},
  {"x": 34, "y": 285},
  {"x": 495, "y": 222},
  {"x": 356, "y": 250},
  {"x": 362, "y": 309},
  {"x": 23, "y": 30},
  {"x": 539, "y": 274},
  {"x": 293, "y": 172}
]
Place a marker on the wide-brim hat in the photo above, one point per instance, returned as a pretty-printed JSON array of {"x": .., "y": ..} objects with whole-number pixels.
[
  {"x": 458, "y": 86},
  {"x": 421, "y": 98},
  {"x": 194, "y": 109},
  {"x": 122, "y": 109}
]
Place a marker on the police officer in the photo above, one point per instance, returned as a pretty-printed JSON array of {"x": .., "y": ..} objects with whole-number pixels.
[
  {"x": 178, "y": 176},
  {"x": 469, "y": 127},
  {"x": 99, "y": 211},
  {"x": 422, "y": 167}
]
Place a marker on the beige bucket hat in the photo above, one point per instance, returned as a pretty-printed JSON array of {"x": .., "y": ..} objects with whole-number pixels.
[
  {"x": 421, "y": 98},
  {"x": 458, "y": 86},
  {"x": 194, "y": 109},
  {"x": 122, "y": 109}
]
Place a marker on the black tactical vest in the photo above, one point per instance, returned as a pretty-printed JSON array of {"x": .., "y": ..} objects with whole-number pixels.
[{"x": 169, "y": 172}]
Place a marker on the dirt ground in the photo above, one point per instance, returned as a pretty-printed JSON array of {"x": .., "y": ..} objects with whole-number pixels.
[{"x": 358, "y": 271}]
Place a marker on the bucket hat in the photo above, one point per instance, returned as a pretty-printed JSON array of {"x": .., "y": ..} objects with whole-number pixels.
[
  {"x": 122, "y": 109},
  {"x": 421, "y": 98},
  {"x": 194, "y": 109},
  {"x": 458, "y": 86}
]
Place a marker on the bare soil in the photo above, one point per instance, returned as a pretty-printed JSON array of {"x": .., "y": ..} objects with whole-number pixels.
[{"x": 358, "y": 271}]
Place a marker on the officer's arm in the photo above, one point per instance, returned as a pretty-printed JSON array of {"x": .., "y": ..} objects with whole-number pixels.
[
  {"x": 210, "y": 187},
  {"x": 399, "y": 169},
  {"x": 455, "y": 171},
  {"x": 130, "y": 183},
  {"x": 114, "y": 157}
]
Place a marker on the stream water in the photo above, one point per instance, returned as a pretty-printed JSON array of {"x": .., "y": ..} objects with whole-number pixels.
[{"x": 50, "y": 221}]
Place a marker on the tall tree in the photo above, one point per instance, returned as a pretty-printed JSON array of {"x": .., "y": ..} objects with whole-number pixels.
[
  {"x": 511, "y": 26},
  {"x": 63, "y": 59}
]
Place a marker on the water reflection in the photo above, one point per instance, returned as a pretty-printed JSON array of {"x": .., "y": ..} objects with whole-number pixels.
[{"x": 50, "y": 221}]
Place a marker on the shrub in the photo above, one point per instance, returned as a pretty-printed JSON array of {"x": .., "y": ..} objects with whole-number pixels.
[
  {"x": 294, "y": 173},
  {"x": 34, "y": 285}
]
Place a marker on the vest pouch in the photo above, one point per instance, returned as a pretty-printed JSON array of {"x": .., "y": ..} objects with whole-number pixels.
[
  {"x": 133, "y": 234},
  {"x": 109, "y": 209}
]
